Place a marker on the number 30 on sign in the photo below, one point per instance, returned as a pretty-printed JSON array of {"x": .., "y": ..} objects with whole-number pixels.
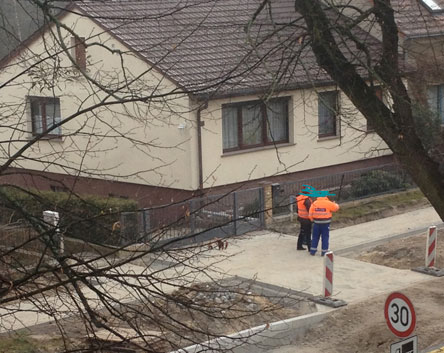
[{"x": 400, "y": 314}]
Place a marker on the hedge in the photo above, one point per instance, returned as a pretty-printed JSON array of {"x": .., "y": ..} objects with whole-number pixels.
[
  {"x": 377, "y": 181},
  {"x": 85, "y": 217}
]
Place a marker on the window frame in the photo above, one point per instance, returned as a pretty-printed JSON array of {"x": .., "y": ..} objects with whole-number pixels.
[
  {"x": 265, "y": 141},
  {"x": 43, "y": 101},
  {"x": 79, "y": 51},
  {"x": 439, "y": 108},
  {"x": 335, "y": 115}
]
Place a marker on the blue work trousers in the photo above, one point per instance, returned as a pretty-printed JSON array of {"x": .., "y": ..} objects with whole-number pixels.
[{"x": 320, "y": 230}]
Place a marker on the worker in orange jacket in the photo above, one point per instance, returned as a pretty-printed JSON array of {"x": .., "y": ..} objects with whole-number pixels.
[
  {"x": 304, "y": 204},
  {"x": 320, "y": 213}
]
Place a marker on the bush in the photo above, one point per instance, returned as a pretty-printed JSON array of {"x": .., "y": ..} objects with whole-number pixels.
[
  {"x": 89, "y": 218},
  {"x": 427, "y": 126},
  {"x": 376, "y": 181}
]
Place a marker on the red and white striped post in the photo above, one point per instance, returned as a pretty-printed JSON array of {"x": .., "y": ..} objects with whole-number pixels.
[
  {"x": 430, "y": 258},
  {"x": 328, "y": 274}
]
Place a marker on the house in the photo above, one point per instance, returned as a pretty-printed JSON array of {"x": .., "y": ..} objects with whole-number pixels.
[
  {"x": 163, "y": 100},
  {"x": 421, "y": 44},
  {"x": 421, "y": 26}
]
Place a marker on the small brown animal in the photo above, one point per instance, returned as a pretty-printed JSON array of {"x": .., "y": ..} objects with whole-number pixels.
[{"x": 116, "y": 226}]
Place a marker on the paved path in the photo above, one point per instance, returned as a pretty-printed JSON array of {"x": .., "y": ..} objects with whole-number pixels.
[
  {"x": 272, "y": 258},
  {"x": 383, "y": 229}
]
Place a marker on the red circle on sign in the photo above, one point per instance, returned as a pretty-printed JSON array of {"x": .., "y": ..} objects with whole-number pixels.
[{"x": 393, "y": 300}]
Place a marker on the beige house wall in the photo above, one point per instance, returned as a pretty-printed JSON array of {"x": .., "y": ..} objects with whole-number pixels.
[
  {"x": 147, "y": 143},
  {"x": 155, "y": 143},
  {"x": 304, "y": 151}
]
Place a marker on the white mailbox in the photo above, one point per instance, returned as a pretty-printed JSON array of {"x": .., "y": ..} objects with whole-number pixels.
[{"x": 52, "y": 218}]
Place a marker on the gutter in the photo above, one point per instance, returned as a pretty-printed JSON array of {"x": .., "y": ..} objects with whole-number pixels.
[
  {"x": 200, "y": 123},
  {"x": 424, "y": 36}
]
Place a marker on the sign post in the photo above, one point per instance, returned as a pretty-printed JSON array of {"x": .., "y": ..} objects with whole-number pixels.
[
  {"x": 400, "y": 314},
  {"x": 401, "y": 319},
  {"x": 409, "y": 345}
]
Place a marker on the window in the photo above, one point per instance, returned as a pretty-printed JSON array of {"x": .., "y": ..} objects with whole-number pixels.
[
  {"x": 45, "y": 112},
  {"x": 328, "y": 109},
  {"x": 435, "y": 98},
  {"x": 253, "y": 124},
  {"x": 378, "y": 92},
  {"x": 79, "y": 51}
]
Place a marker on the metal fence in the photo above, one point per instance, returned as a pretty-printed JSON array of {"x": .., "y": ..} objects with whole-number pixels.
[
  {"x": 236, "y": 213},
  {"x": 220, "y": 216},
  {"x": 196, "y": 220},
  {"x": 22, "y": 237},
  {"x": 346, "y": 186}
]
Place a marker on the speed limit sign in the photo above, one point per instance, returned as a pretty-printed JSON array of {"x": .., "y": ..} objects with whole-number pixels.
[{"x": 400, "y": 314}]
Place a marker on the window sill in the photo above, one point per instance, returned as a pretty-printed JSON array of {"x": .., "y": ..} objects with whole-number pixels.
[
  {"x": 47, "y": 138},
  {"x": 327, "y": 138},
  {"x": 257, "y": 149}
]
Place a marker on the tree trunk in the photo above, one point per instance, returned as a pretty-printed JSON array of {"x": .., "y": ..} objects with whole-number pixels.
[{"x": 396, "y": 127}]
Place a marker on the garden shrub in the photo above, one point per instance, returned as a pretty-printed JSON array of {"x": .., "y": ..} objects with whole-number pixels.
[
  {"x": 376, "y": 181},
  {"x": 427, "y": 126},
  {"x": 87, "y": 217}
]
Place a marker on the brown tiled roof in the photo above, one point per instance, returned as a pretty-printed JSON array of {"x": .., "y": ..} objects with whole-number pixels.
[
  {"x": 415, "y": 19},
  {"x": 202, "y": 45}
]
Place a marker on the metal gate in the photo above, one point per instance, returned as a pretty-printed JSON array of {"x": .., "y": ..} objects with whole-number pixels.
[{"x": 196, "y": 220}]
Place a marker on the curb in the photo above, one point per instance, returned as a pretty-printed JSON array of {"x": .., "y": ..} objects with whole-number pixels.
[
  {"x": 260, "y": 338},
  {"x": 359, "y": 247}
]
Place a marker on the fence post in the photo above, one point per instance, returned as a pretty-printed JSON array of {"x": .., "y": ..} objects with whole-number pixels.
[
  {"x": 235, "y": 212},
  {"x": 192, "y": 217},
  {"x": 146, "y": 224},
  {"x": 292, "y": 203},
  {"x": 261, "y": 207},
  {"x": 143, "y": 223},
  {"x": 122, "y": 240}
]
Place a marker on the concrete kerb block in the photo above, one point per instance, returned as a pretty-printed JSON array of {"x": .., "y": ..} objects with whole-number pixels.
[
  {"x": 328, "y": 301},
  {"x": 260, "y": 338},
  {"x": 432, "y": 271}
]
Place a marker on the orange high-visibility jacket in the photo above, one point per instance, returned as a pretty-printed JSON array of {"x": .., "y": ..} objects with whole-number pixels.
[
  {"x": 321, "y": 209},
  {"x": 302, "y": 210}
]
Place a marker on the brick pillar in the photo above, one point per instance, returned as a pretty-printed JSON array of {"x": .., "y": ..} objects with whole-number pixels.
[{"x": 268, "y": 204}]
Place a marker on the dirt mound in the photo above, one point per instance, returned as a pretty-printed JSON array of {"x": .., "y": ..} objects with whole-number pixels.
[
  {"x": 405, "y": 253},
  {"x": 362, "y": 328},
  {"x": 187, "y": 316}
]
